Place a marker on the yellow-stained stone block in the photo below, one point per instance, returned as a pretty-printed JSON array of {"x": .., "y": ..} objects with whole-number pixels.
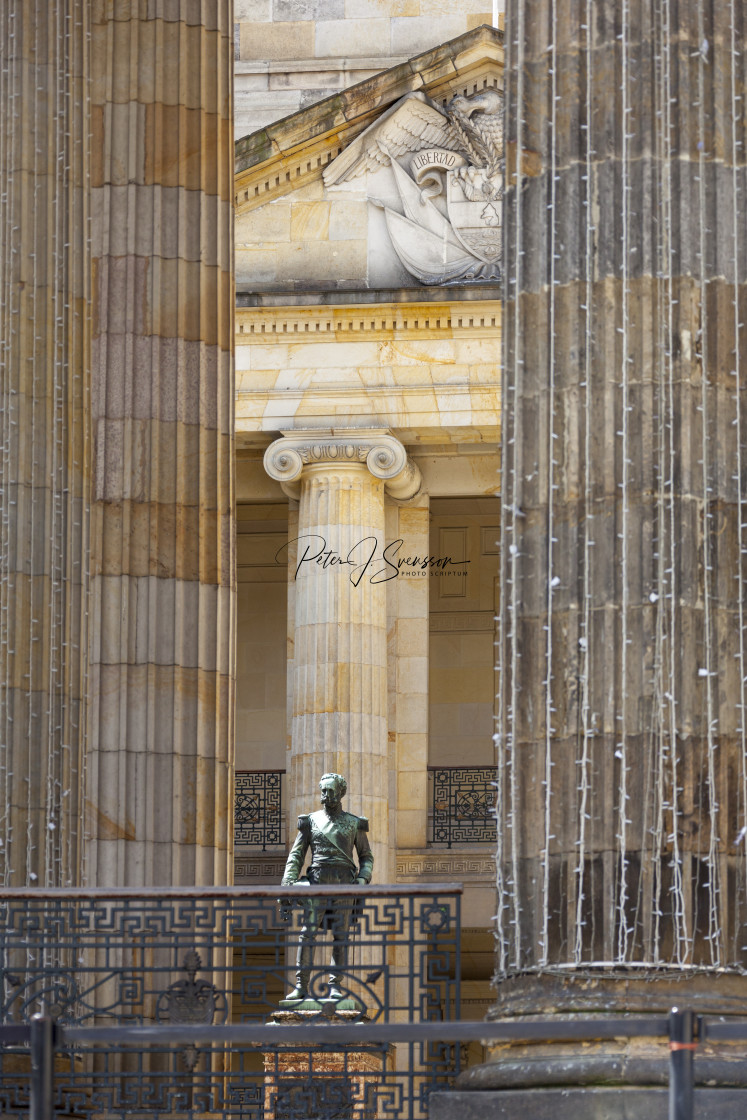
[
  {"x": 182, "y": 526},
  {"x": 411, "y": 828},
  {"x": 412, "y": 790},
  {"x": 412, "y": 636},
  {"x": 267, "y": 226},
  {"x": 162, "y": 49},
  {"x": 367, "y": 9},
  {"x": 412, "y": 674},
  {"x": 312, "y": 192},
  {"x": 309, "y": 221},
  {"x": 170, "y": 298},
  {"x": 479, "y": 19},
  {"x": 412, "y": 751},
  {"x": 462, "y": 685},
  {"x": 277, "y": 40},
  {"x": 164, "y": 212},
  {"x": 412, "y": 713},
  {"x": 255, "y": 381},
  {"x": 182, "y": 148}
]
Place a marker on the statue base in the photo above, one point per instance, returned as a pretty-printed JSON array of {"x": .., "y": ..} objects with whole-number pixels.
[
  {"x": 328, "y": 1007},
  {"x": 343, "y": 1082}
]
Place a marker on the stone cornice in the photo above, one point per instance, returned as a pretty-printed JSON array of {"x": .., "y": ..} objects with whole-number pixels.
[
  {"x": 292, "y": 152},
  {"x": 382, "y": 454},
  {"x": 384, "y": 321}
]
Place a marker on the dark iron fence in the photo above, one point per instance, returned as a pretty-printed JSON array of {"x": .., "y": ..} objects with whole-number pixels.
[
  {"x": 325, "y": 1098},
  {"x": 100, "y": 965},
  {"x": 259, "y": 818},
  {"x": 462, "y": 803}
]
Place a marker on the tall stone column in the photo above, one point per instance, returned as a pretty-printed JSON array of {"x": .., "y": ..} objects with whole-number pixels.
[
  {"x": 45, "y": 469},
  {"x": 159, "y": 777},
  {"x": 339, "y": 686},
  {"x": 623, "y": 775}
]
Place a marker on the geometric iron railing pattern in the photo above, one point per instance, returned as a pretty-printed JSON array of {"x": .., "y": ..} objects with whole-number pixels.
[
  {"x": 140, "y": 957},
  {"x": 462, "y": 804},
  {"x": 259, "y": 820}
]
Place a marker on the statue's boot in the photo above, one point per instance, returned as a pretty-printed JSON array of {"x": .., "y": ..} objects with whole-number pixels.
[
  {"x": 304, "y": 962},
  {"x": 338, "y": 964}
]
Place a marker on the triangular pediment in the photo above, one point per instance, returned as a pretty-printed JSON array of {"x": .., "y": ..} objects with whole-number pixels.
[{"x": 293, "y": 152}]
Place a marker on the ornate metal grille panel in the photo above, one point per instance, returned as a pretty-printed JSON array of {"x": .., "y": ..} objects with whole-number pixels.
[
  {"x": 259, "y": 820},
  {"x": 191, "y": 957},
  {"x": 462, "y": 804}
]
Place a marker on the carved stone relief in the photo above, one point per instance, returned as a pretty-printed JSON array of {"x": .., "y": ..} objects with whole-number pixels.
[{"x": 448, "y": 167}]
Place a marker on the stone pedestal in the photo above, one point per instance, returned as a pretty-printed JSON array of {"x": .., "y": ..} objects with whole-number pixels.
[
  {"x": 339, "y": 683},
  {"x": 314, "y": 1082}
]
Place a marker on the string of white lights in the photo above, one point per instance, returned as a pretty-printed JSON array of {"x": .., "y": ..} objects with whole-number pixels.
[
  {"x": 515, "y": 449},
  {"x": 552, "y": 579},
  {"x": 681, "y": 896},
  {"x": 708, "y": 671},
  {"x": 662, "y": 744},
  {"x": 737, "y": 120},
  {"x": 621, "y": 715},
  {"x": 8, "y": 335},
  {"x": 585, "y": 640}
]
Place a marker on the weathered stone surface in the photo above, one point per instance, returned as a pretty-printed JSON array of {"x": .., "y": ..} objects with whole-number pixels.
[
  {"x": 292, "y": 39},
  {"x": 45, "y": 491},
  {"x": 623, "y": 578},
  {"x": 587, "y": 1103},
  {"x": 160, "y": 748}
]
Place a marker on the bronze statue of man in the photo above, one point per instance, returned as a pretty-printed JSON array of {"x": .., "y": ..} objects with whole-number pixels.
[{"x": 334, "y": 837}]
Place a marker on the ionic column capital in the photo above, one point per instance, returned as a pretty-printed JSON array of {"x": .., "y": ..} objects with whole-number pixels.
[{"x": 373, "y": 448}]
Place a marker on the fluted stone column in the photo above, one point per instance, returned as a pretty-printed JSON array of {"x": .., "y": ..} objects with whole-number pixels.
[
  {"x": 339, "y": 686},
  {"x": 45, "y": 469},
  {"x": 159, "y": 779},
  {"x": 622, "y": 775}
]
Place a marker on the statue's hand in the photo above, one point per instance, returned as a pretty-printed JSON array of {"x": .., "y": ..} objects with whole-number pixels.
[{"x": 285, "y": 909}]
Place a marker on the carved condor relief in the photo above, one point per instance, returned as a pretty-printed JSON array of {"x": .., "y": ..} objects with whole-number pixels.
[{"x": 448, "y": 167}]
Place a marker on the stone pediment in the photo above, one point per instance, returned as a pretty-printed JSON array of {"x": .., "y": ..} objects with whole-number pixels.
[
  {"x": 294, "y": 152},
  {"x": 395, "y": 183}
]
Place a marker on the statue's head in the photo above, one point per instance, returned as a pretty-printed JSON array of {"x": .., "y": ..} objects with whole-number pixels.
[{"x": 332, "y": 789}]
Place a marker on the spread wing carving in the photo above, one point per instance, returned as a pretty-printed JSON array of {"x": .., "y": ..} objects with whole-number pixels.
[{"x": 411, "y": 124}]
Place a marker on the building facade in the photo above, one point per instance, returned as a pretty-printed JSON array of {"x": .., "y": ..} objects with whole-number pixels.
[
  {"x": 368, "y": 430},
  {"x": 252, "y": 522}
]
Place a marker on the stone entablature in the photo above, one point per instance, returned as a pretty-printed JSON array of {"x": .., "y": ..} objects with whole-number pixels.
[
  {"x": 430, "y": 371},
  {"x": 385, "y": 320}
]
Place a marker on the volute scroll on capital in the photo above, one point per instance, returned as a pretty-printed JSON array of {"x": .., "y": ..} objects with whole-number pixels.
[{"x": 383, "y": 455}]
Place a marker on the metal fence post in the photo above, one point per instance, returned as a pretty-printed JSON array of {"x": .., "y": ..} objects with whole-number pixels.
[
  {"x": 41, "y": 1103},
  {"x": 681, "y": 1052}
]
